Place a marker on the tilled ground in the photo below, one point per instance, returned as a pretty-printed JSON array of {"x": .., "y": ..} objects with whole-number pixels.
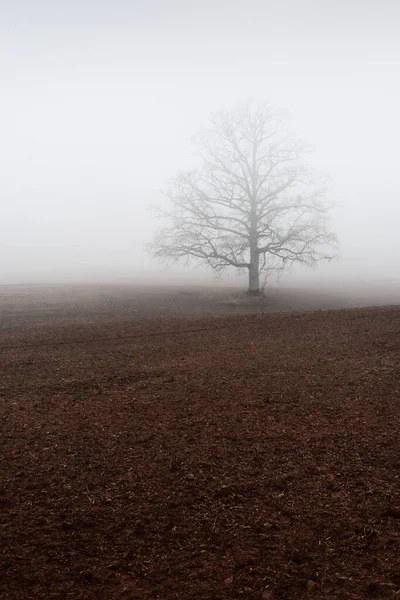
[{"x": 212, "y": 458}]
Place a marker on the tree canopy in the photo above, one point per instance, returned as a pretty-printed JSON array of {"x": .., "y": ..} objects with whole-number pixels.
[{"x": 251, "y": 205}]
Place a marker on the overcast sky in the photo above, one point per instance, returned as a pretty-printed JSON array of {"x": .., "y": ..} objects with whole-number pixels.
[{"x": 99, "y": 99}]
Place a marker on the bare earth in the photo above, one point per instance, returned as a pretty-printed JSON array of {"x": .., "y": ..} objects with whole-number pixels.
[{"x": 235, "y": 454}]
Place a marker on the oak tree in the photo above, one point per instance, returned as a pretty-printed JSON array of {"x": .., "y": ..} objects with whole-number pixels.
[{"x": 251, "y": 205}]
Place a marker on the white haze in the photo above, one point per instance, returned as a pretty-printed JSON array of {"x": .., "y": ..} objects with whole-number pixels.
[{"x": 98, "y": 102}]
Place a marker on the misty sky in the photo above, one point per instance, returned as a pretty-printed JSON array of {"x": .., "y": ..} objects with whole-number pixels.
[{"x": 98, "y": 102}]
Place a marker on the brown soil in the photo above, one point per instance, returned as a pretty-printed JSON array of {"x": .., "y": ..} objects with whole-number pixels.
[{"x": 222, "y": 457}]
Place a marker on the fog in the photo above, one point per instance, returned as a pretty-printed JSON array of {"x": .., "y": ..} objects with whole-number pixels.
[{"x": 99, "y": 100}]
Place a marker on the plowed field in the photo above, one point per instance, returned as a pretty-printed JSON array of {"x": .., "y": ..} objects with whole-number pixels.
[{"x": 221, "y": 457}]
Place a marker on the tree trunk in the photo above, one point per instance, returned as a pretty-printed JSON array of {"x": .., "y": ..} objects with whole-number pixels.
[{"x": 254, "y": 275}]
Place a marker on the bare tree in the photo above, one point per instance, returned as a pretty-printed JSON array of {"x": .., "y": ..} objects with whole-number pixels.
[{"x": 251, "y": 205}]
